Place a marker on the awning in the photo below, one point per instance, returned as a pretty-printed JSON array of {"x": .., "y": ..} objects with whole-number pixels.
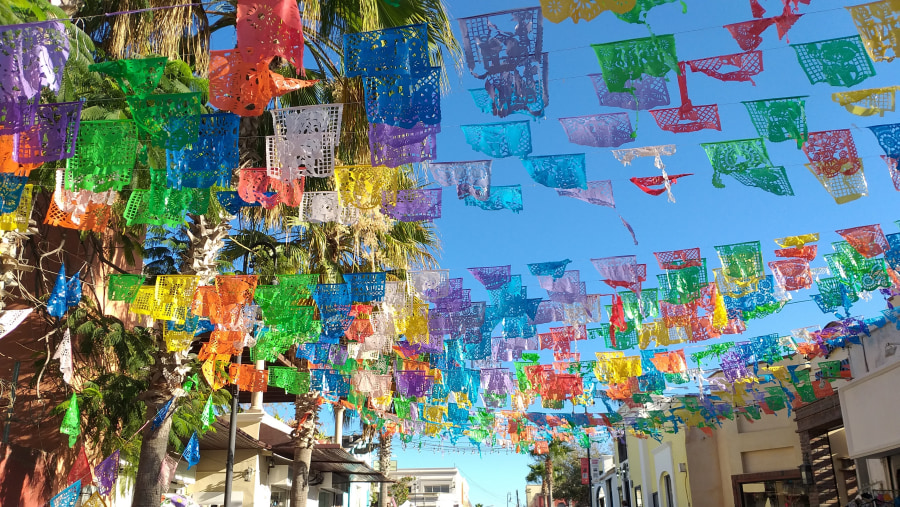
[
  {"x": 218, "y": 440},
  {"x": 333, "y": 458}
]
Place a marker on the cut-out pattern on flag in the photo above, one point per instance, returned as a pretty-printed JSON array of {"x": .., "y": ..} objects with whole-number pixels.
[
  {"x": 626, "y": 60},
  {"x": 360, "y": 186},
  {"x": 64, "y": 354},
  {"x": 599, "y": 130},
  {"x": 232, "y": 203},
  {"x": 366, "y": 287},
  {"x": 15, "y": 114},
  {"x": 646, "y": 184},
  {"x": 71, "y": 423},
  {"x": 622, "y": 272},
  {"x": 105, "y": 153},
  {"x": 868, "y": 102},
  {"x": 81, "y": 469},
  {"x": 51, "y": 136},
  {"x": 493, "y": 277},
  {"x": 500, "y": 140},
  {"x": 211, "y": 159},
  {"x": 471, "y": 178},
  {"x": 521, "y": 90},
  {"x": 748, "y": 34},
  {"x": 411, "y": 205},
  {"x": 838, "y": 62},
  {"x": 504, "y": 49},
  {"x": 599, "y": 193},
  {"x": 165, "y": 206},
  {"x": 172, "y": 121},
  {"x": 11, "y": 189},
  {"x": 626, "y": 156},
  {"x": 386, "y": 52},
  {"x": 501, "y": 41},
  {"x": 553, "y": 269},
  {"x": 67, "y": 497},
  {"x": 649, "y": 92},
  {"x": 32, "y": 56},
  {"x": 8, "y": 155},
  {"x": 679, "y": 259},
  {"x": 893, "y": 169},
  {"x": 107, "y": 472},
  {"x": 503, "y": 197},
  {"x": 843, "y": 187},
  {"x": 558, "y": 171},
  {"x": 191, "y": 452},
  {"x": 868, "y": 240},
  {"x": 687, "y": 117},
  {"x": 272, "y": 27},
  {"x": 136, "y": 77},
  {"x": 888, "y": 137},
  {"x": 241, "y": 82},
  {"x": 792, "y": 274},
  {"x": 779, "y": 120},
  {"x": 734, "y": 67},
  {"x": 832, "y": 152},
  {"x": 80, "y": 213},
  {"x": 305, "y": 140},
  {"x": 748, "y": 162},
  {"x": 254, "y": 185},
  {"x": 403, "y": 100},
  {"x": 395, "y": 146},
  {"x": 66, "y": 293},
  {"x": 557, "y": 11},
  {"x": 322, "y": 207},
  {"x": 878, "y": 24},
  {"x": 642, "y": 7}
]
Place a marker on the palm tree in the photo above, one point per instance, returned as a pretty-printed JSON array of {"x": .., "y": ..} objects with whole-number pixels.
[{"x": 543, "y": 469}]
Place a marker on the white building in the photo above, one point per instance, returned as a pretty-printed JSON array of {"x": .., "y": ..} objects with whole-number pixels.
[{"x": 434, "y": 487}]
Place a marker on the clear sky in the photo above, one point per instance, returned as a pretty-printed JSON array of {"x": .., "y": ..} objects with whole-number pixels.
[{"x": 555, "y": 228}]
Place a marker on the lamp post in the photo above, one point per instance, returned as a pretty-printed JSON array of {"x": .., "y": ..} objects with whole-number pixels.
[{"x": 232, "y": 422}]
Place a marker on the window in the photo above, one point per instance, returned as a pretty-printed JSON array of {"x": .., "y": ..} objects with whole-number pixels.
[
  {"x": 638, "y": 497},
  {"x": 779, "y": 492},
  {"x": 437, "y": 488},
  {"x": 667, "y": 484},
  {"x": 655, "y": 498}
]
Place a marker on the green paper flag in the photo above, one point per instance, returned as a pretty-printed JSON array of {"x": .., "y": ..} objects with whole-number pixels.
[
  {"x": 71, "y": 424},
  {"x": 628, "y": 60},
  {"x": 209, "y": 415}
]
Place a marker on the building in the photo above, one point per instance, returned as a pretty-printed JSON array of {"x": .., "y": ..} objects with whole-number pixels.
[
  {"x": 434, "y": 487},
  {"x": 870, "y": 409},
  {"x": 766, "y": 459},
  {"x": 263, "y": 464}
]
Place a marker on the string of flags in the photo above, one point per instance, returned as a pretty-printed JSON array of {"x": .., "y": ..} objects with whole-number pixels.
[{"x": 417, "y": 356}]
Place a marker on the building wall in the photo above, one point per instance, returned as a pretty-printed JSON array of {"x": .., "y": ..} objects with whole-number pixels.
[
  {"x": 210, "y": 475},
  {"x": 649, "y": 462},
  {"x": 424, "y": 477}
]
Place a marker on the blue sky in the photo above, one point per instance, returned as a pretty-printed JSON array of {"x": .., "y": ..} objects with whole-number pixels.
[{"x": 555, "y": 228}]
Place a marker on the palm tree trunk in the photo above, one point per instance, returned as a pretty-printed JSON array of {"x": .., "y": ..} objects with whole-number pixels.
[
  {"x": 306, "y": 413},
  {"x": 384, "y": 463},
  {"x": 549, "y": 471},
  {"x": 147, "y": 489}
]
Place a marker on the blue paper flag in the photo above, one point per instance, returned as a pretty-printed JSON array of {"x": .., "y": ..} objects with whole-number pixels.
[
  {"x": 161, "y": 415},
  {"x": 67, "y": 497},
  {"x": 508, "y": 197},
  {"x": 57, "y": 304},
  {"x": 558, "y": 171},
  {"x": 191, "y": 452}
]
